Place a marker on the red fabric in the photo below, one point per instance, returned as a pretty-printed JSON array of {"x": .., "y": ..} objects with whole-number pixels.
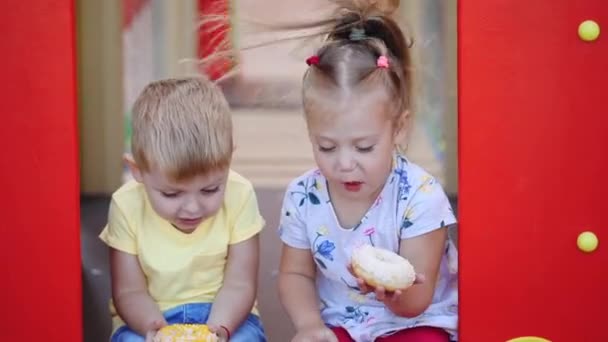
[
  {"x": 418, "y": 334},
  {"x": 342, "y": 335}
]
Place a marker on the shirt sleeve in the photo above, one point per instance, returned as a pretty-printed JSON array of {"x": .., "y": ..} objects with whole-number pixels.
[
  {"x": 247, "y": 221},
  {"x": 292, "y": 227},
  {"x": 429, "y": 209},
  {"x": 119, "y": 233}
]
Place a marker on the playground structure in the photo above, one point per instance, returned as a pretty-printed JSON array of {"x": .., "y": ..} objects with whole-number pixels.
[{"x": 532, "y": 128}]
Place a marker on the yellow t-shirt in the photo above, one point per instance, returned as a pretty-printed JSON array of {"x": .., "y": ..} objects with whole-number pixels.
[{"x": 180, "y": 268}]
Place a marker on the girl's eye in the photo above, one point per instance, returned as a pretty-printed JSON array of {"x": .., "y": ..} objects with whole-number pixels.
[
  {"x": 169, "y": 194},
  {"x": 326, "y": 149},
  {"x": 365, "y": 149},
  {"x": 211, "y": 190}
]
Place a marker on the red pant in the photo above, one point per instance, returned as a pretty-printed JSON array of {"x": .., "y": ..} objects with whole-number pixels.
[{"x": 418, "y": 334}]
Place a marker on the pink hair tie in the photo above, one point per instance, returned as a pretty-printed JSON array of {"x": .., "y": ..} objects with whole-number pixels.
[
  {"x": 312, "y": 60},
  {"x": 382, "y": 62}
]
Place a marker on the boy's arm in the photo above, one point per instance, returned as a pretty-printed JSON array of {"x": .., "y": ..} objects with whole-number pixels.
[
  {"x": 297, "y": 288},
  {"x": 235, "y": 299},
  {"x": 424, "y": 252},
  {"x": 130, "y": 294}
]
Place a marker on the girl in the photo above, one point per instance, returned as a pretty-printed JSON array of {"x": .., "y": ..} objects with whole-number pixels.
[{"x": 356, "y": 97}]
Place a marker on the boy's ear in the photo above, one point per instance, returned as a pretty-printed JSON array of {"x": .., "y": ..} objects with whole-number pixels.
[{"x": 135, "y": 171}]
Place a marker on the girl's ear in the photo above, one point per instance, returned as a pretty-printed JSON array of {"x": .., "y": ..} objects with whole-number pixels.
[
  {"x": 402, "y": 127},
  {"x": 135, "y": 171}
]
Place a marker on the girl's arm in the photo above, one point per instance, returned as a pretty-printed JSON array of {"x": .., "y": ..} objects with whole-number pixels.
[
  {"x": 235, "y": 299},
  {"x": 130, "y": 294},
  {"x": 297, "y": 288},
  {"x": 424, "y": 252}
]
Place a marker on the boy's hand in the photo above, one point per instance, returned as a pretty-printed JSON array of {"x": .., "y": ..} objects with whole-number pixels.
[
  {"x": 154, "y": 328},
  {"x": 381, "y": 293},
  {"x": 221, "y": 332},
  {"x": 315, "y": 334}
]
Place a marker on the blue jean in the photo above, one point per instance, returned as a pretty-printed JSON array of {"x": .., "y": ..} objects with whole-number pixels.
[{"x": 250, "y": 331}]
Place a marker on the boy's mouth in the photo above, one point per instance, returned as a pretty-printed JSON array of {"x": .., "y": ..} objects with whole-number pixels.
[{"x": 190, "y": 221}]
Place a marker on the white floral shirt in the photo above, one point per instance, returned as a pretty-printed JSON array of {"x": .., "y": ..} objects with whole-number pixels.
[{"x": 411, "y": 203}]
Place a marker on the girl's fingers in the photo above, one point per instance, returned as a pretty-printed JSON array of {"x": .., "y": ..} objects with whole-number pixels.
[
  {"x": 380, "y": 293},
  {"x": 363, "y": 287},
  {"x": 420, "y": 278}
]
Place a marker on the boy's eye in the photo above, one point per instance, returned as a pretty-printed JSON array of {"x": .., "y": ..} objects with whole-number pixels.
[
  {"x": 211, "y": 190},
  {"x": 326, "y": 149},
  {"x": 365, "y": 149},
  {"x": 169, "y": 194}
]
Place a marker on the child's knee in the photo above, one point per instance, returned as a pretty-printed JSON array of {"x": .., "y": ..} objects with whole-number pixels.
[{"x": 250, "y": 330}]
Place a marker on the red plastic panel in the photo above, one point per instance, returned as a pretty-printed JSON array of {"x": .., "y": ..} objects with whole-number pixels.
[
  {"x": 533, "y": 131},
  {"x": 39, "y": 229}
]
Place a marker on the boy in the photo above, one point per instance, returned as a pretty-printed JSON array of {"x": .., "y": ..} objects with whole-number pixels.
[{"x": 183, "y": 235}]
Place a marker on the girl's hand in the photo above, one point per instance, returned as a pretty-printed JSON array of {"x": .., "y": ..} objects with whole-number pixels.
[
  {"x": 381, "y": 293},
  {"x": 315, "y": 334},
  {"x": 154, "y": 328},
  {"x": 222, "y": 333}
]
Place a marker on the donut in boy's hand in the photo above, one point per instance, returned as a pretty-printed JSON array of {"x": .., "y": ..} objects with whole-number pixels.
[
  {"x": 185, "y": 332},
  {"x": 381, "y": 267}
]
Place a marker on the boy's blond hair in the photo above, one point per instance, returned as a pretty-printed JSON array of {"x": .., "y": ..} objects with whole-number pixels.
[{"x": 183, "y": 127}]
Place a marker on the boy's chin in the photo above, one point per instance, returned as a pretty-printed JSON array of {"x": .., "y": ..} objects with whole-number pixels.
[{"x": 185, "y": 228}]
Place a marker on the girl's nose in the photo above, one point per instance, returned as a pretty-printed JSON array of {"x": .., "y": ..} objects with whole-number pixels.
[{"x": 346, "y": 162}]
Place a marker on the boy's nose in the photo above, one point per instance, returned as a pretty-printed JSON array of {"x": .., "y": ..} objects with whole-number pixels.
[{"x": 192, "y": 207}]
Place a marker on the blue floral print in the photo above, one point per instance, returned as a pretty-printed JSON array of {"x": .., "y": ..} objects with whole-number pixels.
[
  {"x": 324, "y": 248},
  {"x": 307, "y": 192},
  {"x": 355, "y": 313},
  {"x": 404, "y": 185}
]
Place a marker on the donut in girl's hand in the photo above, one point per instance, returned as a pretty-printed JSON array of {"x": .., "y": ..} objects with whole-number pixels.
[
  {"x": 381, "y": 267},
  {"x": 185, "y": 332}
]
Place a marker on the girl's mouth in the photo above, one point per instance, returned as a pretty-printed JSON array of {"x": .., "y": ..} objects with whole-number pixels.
[{"x": 352, "y": 186}]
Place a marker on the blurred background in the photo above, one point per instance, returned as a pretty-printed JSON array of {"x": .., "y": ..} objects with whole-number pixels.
[{"x": 124, "y": 44}]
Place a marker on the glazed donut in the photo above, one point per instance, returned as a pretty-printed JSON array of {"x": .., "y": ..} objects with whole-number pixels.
[
  {"x": 185, "y": 332},
  {"x": 381, "y": 267}
]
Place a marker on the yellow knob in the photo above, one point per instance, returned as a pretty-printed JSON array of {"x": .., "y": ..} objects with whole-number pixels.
[
  {"x": 587, "y": 242},
  {"x": 529, "y": 339},
  {"x": 589, "y": 30}
]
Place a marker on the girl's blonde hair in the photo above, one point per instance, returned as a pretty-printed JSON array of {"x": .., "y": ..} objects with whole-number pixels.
[
  {"x": 345, "y": 66},
  {"x": 183, "y": 127}
]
